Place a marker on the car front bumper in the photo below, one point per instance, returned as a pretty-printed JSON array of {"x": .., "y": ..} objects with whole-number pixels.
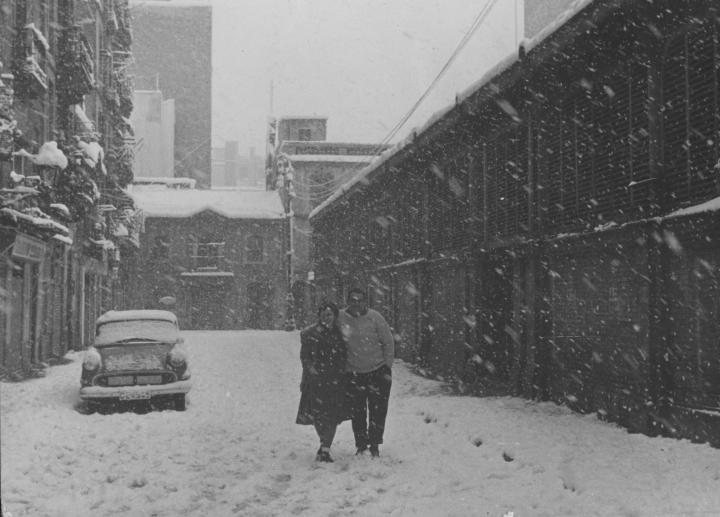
[{"x": 116, "y": 392}]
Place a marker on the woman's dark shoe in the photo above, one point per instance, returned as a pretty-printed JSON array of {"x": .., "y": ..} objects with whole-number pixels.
[
  {"x": 374, "y": 451},
  {"x": 324, "y": 456}
]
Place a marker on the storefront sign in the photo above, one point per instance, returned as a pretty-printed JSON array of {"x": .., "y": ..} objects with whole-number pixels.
[{"x": 28, "y": 248}]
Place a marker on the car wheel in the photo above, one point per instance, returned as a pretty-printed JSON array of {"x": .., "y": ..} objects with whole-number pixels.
[
  {"x": 85, "y": 407},
  {"x": 179, "y": 402}
]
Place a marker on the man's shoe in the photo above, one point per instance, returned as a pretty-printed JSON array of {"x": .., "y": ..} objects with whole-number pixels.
[
  {"x": 360, "y": 451},
  {"x": 374, "y": 451}
]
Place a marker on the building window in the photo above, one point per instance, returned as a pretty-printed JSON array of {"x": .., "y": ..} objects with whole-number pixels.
[
  {"x": 254, "y": 249},
  {"x": 161, "y": 248},
  {"x": 207, "y": 255},
  {"x": 304, "y": 134}
]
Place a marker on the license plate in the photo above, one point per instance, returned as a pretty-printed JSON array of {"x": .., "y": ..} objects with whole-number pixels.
[
  {"x": 120, "y": 380},
  {"x": 135, "y": 395},
  {"x": 149, "y": 379}
]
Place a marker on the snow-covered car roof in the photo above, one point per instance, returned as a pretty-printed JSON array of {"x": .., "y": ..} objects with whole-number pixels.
[
  {"x": 137, "y": 314},
  {"x": 152, "y": 325}
]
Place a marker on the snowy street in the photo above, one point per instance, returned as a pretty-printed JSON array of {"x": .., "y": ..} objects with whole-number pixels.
[{"x": 237, "y": 451}]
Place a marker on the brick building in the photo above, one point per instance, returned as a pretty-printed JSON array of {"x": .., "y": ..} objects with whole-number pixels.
[
  {"x": 556, "y": 232},
  {"x": 218, "y": 256}
]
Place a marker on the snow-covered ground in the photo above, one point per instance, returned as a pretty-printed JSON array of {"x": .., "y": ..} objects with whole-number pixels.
[{"x": 236, "y": 451}]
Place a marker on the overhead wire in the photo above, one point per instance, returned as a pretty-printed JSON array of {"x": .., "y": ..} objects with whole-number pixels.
[{"x": 399, "y": 125}]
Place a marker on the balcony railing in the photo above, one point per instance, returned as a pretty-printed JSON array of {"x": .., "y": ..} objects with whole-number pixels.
[
  {"x": 33, "y": 79},
  {"x": 76, "y": 75}
]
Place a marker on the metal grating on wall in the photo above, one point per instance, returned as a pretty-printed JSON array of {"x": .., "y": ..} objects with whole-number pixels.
[{"x": 691, "y": 121}]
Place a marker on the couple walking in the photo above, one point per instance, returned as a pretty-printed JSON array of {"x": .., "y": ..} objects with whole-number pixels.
[{"x": 347, "y": 362}]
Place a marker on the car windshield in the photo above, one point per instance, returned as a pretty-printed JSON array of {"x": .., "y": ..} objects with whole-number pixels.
[
  {"x": 134, "y": 356},
  {"x": 152, "y": 330}
]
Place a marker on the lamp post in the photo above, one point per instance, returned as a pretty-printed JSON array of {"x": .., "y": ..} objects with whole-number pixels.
[{"x": 287, "y": 192}]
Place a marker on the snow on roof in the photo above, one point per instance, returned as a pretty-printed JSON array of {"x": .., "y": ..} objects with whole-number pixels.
[
  {"x": 302, "y": 117},
  {"x": 712, "y": 205},
  {"x": 234, "y": 204},
  {"x": 501, "y": 66},
  {"x": 575, "y": 7},
  {"x": 337, "y": 158}
]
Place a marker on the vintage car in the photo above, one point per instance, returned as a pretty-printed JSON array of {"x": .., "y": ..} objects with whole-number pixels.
[{"x": 136, "y": 355}]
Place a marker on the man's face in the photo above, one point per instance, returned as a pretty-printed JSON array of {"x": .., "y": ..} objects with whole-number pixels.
[{"x": 356, "y": 303}]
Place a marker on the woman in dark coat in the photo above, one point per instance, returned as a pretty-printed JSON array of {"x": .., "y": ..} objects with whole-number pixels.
[{"x": 322, "y": 401}]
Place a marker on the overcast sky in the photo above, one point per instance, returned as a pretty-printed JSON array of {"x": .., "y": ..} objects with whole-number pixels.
[{"x": 361, "y": 63}]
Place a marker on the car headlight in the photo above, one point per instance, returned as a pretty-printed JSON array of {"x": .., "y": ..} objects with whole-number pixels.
[
  {"x": 91, "y": 364},
  {"x": 92, "y": 359},
  {"x": 177, "y": 360}
]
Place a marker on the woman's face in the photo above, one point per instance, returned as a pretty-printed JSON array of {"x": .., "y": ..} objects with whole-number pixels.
[{"x": 327, "y": 317}]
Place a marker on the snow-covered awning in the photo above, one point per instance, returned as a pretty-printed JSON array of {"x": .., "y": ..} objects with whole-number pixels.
[
  {"x": 63, "y": 239},
  {"x": 37, "y": 221},
  {"x": 87, "y": 125},
  {"x": 48, "y": 155},
  {"x": 103, "y": 243}
]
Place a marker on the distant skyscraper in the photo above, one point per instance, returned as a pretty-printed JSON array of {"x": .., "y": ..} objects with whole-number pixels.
[
  {"x": 173, "y": 53},
  {"x": 154, "y": 121}
]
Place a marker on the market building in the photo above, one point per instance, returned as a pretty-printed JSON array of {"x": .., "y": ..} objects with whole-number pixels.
[{"x": 555, "y": 233}]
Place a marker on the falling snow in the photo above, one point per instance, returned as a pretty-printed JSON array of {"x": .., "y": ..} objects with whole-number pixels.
[{"x": 237, "y": 451}]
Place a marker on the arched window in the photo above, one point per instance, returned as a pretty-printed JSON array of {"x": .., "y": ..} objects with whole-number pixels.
[{"x": 254, "y": 249}]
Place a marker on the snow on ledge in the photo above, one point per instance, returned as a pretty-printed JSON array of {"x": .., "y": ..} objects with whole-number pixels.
[{"x": 708, "y": 206}]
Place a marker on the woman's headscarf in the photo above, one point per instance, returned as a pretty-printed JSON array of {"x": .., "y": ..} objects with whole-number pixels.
[{"x": 328, "y": 304}]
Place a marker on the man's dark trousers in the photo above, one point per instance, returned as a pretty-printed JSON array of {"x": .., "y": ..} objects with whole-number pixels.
[{"x": 369, "y": 395}]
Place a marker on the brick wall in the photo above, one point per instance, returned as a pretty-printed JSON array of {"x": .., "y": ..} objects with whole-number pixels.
[{"x": 226, "y": 299}]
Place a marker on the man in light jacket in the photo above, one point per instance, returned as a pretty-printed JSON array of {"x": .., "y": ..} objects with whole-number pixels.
[{"x": 370, "y": 355}]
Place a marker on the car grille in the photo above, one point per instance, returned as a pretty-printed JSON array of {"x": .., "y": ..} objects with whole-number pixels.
[{"x": 135, "y": 379}]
